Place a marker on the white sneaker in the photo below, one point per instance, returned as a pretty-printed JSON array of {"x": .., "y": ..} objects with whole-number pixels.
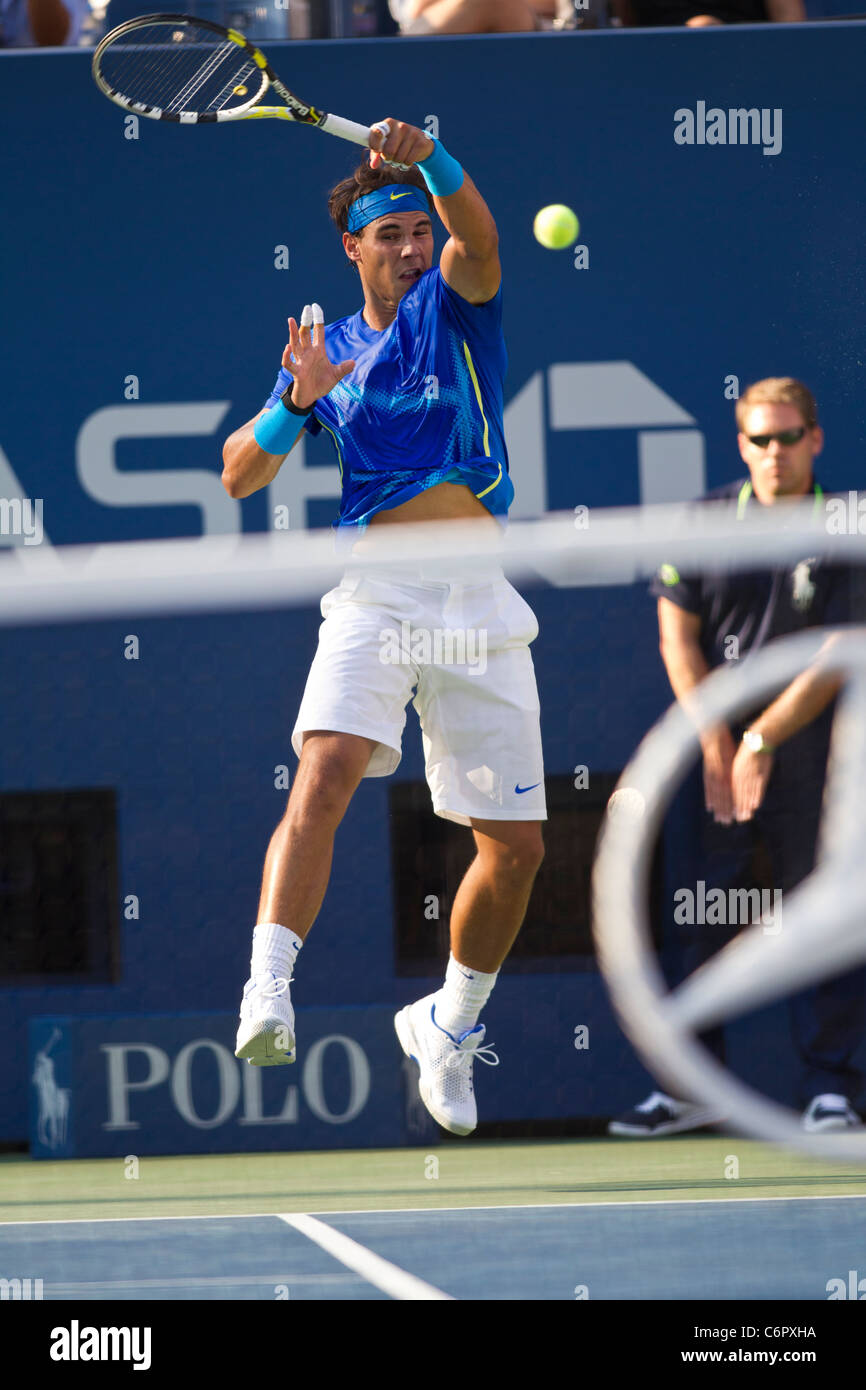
[
  {"x": 829, "y": 1112},
  {"x": 444, "y": 1062},
  {"x": 266, "y": 1036}
]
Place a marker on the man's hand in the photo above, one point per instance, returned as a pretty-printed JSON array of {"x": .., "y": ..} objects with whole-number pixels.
[
  {"x": 305, "y": 357},
  {"x": 405, "y": 144},
  {"x": 749, "y": 777},
  {"x": 719, "y": 758}
]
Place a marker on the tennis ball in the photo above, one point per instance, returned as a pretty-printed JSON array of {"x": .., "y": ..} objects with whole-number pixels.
[{"x": 556, "y": 227}]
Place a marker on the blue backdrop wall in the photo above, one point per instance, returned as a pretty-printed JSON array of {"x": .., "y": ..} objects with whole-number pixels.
[{"x": 144, "y": 307}]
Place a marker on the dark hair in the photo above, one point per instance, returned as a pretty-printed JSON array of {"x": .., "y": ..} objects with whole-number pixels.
[{"x": 367, "y": 180}]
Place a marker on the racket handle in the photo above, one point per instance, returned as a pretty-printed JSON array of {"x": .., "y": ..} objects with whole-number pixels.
[
  {"x": 347, "y": 130},
  {"x": 351, "y": 130}
]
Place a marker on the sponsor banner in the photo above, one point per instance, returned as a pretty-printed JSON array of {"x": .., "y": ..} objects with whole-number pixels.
[{"x": 111, "y": 1086}]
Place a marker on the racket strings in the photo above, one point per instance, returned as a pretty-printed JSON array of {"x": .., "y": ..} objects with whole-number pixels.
[
  {"x": 177, "y": 68},
  {"x": 237, "y": 85},
  {"x": 208, "y": 70}
]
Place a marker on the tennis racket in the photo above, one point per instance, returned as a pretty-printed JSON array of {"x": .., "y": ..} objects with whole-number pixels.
[{"x": 172, "y": 67}]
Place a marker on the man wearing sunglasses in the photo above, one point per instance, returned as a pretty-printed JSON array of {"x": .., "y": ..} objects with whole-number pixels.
[{"x": 763, "y": 778}]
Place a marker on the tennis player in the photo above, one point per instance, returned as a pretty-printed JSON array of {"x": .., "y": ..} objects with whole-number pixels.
[{"x": 410, "y": 390}]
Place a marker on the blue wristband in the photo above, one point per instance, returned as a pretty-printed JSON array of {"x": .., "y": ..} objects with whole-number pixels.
[
  {"x": 279, "y": 430},
  {"x": 440, "y": 171}
]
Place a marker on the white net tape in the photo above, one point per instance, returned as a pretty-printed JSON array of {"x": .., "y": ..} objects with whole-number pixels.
[{"x": 614, "y": 546}]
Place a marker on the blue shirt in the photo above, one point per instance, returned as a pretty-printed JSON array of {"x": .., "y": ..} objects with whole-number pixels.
[{"x": 423, "y": 405}]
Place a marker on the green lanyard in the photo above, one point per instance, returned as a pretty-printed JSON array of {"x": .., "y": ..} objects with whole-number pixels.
[{"x": 746, "y": 492}]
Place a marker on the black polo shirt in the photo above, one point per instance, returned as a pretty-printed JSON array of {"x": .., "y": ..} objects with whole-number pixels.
[{"x": 760, "y": 605}]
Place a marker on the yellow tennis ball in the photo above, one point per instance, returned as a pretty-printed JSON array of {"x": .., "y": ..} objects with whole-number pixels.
[{"x": 556, "y": 227}]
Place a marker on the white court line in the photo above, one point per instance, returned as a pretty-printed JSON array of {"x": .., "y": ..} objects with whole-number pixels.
[
  {"x": 192, "y": 1281},
  {"x": 391, "y": 1279},
  {"x": 412, "y": 1211}
]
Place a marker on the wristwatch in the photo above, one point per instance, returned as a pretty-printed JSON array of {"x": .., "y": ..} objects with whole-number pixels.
[{"x": 756, "y": 742}]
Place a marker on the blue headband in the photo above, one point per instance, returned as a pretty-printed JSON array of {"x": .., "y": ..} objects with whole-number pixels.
[{"x": 394, "y": 197}]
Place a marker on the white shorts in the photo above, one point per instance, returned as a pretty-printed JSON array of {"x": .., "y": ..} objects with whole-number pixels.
[{"x": 462, "y": 649}]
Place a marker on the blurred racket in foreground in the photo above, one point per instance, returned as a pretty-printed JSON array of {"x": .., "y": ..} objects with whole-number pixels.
[{"x": 823, "y": 929}]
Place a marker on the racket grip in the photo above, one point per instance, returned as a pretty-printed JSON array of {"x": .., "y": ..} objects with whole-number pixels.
[
  {"x": 347, "y": 130},
  {"x": 351, "y": 130}
]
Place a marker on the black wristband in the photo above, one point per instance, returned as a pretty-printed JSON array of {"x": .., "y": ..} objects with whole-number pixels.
[{"x": 287, "y": 401}]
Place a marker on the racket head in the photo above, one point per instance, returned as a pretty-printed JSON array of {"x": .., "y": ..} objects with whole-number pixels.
[{"x": 172, "y": 67}]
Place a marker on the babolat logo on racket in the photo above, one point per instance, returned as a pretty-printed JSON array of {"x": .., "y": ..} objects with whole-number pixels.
[{"x": 304, "y": 113}]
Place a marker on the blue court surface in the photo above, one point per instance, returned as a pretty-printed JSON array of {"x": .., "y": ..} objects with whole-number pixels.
[
  {"x": 725, "y": 1249},
  {"x": 704, "y": 1217}
]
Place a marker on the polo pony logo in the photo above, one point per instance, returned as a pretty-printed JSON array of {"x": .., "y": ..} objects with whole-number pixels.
[
  {"x": 803, "y": 590},
  {"x": 53, "y": 1099}
]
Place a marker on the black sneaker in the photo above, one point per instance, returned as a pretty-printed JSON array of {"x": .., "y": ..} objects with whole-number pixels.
[
  {"x": 829, "y": 1112},
  {"x": 660, "y": 1114}
]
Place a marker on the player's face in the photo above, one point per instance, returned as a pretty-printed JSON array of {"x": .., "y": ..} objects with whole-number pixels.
[
  {"x": 394, "y": 252},
  {"x": 778, "y": 469}
]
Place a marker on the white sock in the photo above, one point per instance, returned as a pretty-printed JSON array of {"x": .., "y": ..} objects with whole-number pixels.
[
  {"x": 462, "y": 997},
  {"x": 275, "y": 949}
]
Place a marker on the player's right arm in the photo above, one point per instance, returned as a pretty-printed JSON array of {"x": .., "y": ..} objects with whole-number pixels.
[
  {"x": 686, "y": 665},
  {"x": 246, "y": 465}
]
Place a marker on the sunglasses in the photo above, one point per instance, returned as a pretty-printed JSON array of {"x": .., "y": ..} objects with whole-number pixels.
[{"x": 783, "y": 436}]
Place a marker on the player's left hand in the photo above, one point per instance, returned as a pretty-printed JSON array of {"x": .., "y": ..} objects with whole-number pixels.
[
  {"x": 749, "y": 777},
  {"x": 404, "y": 144}
]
